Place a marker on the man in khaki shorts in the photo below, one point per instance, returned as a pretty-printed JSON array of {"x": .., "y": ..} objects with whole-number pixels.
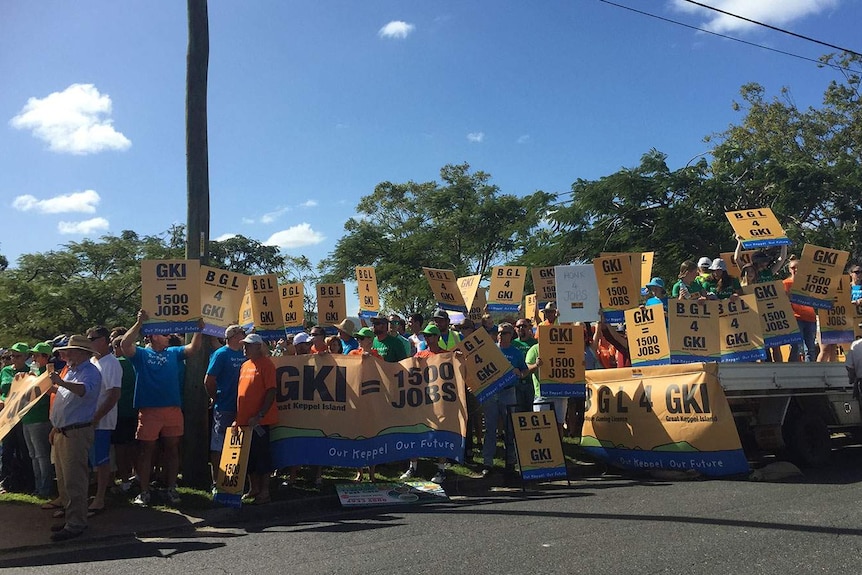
[{"x": 158, "y": 399}]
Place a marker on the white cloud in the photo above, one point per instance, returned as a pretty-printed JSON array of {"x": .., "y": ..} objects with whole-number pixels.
[
  {"x": 270, "y": 217},
  {"x": 83, "y": 228},
  {"x": 247, "y": 220},
  {"x": 396, "y": 29},
  {"x": 224, "y": 237},
  {"x": 775, "y": 12},
  {"x": 308, "y": 204},
  {"x": 82, "y": 202},
  {"x": 75, "y": 121},
  {"x": 477, "y": 137},
  {"x": 295, "y": 237},
  {"x": 523, "y": 139}
]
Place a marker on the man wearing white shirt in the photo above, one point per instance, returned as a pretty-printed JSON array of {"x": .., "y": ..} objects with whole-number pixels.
[{"x": 105, "y": 419}]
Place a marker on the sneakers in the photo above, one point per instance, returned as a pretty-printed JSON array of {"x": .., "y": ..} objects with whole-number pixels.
[
  {"x": 439, "y": 477},
  {"x": 173, "y": 496},
  {"x": 487, "y": 470},
  {"x": 408, "y": 474},
  {"x": 143, "y": 499}
]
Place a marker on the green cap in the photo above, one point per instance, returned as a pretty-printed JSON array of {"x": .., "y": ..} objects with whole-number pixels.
[
  {"x": 20, "y": 347},
  {"x": 42, "y": 347},
  {"x": 364, "y": 332},
  {"x": 431, "y": 329}
]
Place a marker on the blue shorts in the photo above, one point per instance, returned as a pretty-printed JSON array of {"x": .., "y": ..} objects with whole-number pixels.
[
  {"x": 221, "y": 423},
  {"x": 100, "y": 453}
]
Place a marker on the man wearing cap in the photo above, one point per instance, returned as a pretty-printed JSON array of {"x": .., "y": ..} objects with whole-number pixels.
[
  {"x": 703, "y": 269},
  {"x": 365, "y": 339},
  {"x": 658, "y": 293},
  {"x": 397, "y": 329},
  {"x": 158, "y": 399},
  {"x": 105, "y": 419},
  {"x": 37, "y": 426},
  {"x": 448, "y": 338},
  {"x": 389, "y": 347},
  {"x": 15, "y": 462},
  {"x": 72, "y": 434},
  {"x": 302, "y": 343},
  {"x": 220, "y": 382},
  {"x": 256, "y": 411},
  {"x": 346, "y": 329},
  {"x": 720, "y": 284},
  {"x": 549, "y": 312}
]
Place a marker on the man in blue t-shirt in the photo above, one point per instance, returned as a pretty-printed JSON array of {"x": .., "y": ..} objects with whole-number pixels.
[
  {"x": 158, "y": 399},
  {"x": 221, "y": 381},
  {"x": 856, "y": 284}
]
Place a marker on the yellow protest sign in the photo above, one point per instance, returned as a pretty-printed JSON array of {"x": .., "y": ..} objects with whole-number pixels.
[
  {"x": 261, "y": 307},
  {"x": 331, "y": 306},
  {"x": 545, "y": 284},
  {"x": 641, "y": 265},
  {"x": 777, "y": 323},
  {"x": 25, "y": 392},
  {"x": 672, "y": 417},
  {"x": 819, "y": 274},
  {"x": 733, "y": 268},
  {"x": 477, "y": 309},
  {"x": 617, "y": 289},
  {"x": 561, "y": 348},
  {"x": 758, "y": 228},
  {"x": 171, "y": 295},
  {"x": 530, "y": 308},
  {"x": 693, "y": 331},
  {"x": 230, "y": 479},
  {"x": 537, "y": 439},
  {"x": 488, "y": 370},
  {"x": 444, "y": 286},
  {"x": 857, "y": 319},
  {"x": 366, "y": 285},
  {"x": 739, "y": 326},
  {"x": 646, "y": 332},
  {"x": 221, "y": 298},
  {"x": 835, "y": 323},
  {"x": 469, "y": 287},
  {"x": 293, "y": 307},
  {"x": 646, "y": 267},
  {"x": 507, "y": 288}
]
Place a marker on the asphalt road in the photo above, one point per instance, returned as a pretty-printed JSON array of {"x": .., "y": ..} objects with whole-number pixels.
[{"x": 601, "y": 525}]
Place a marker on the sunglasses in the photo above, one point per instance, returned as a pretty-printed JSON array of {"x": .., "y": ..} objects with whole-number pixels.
[
  {"x": 318, "y": 334},
  {"x": 855, "y": 271}
]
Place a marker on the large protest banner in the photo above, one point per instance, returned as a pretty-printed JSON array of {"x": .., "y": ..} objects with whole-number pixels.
[
  {"x": 819, "y": 274},
  {"x": 757, "y": 228},
  {"x": 693, "y": 331},
  {"x": 739, "y": 325},
  {"x": 561, "y": 348},
  {"x": 353, "y": 411},
  {"x": 25, "y": 392},
  {"x": 331, "y": 306},
  {"x": 369, "y": 297},
  {"x": 507, "y": 288},
  {"x": 261, "y": 307},
  {"x": 171, "y": 296},
  {"x": 672, "y": 417},
  {"x": 444, "y": 286},
  {"x": 577, "y": 293},
  {"x": 617, "y": 288},
  {"x": 487, "y": 369},
  {"x": 834, "y": 323},
  {"x": 646, "y": 332},
  {"x": 545, "y": 285},
  {"x": 292, "y": 307},
  {"x": 777, "y": 323},
  {"x": 221, "y": 298}
]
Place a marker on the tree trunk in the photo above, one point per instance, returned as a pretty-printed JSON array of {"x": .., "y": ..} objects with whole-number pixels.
[{"x": 195, "y": 452}]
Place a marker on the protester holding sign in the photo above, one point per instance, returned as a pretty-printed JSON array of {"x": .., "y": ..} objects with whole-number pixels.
[
  {"x": 37, "y": 427},
  {"x": 805, "y": 316},
  {"x": 14, "y": 459},
  {"x": 720, "y": 284},
  {"x": 687, "y": 286}
]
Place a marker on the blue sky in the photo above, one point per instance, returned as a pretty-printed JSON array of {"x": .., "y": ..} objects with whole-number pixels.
[{"x": 311, "y": 104}]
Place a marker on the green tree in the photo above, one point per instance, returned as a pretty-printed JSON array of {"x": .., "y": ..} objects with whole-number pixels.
[
  {"x": 244, "y": 255},
  {"x": 464, "y": 224}
]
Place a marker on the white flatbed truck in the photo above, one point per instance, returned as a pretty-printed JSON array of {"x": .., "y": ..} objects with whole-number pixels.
[{"x": 791, "y": 408}]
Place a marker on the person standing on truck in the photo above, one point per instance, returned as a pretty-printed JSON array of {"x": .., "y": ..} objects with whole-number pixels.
[{"x": 805, "y": 317}]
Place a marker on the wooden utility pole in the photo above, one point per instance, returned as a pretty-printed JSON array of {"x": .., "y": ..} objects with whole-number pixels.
[{"x": 195, "y": 401}]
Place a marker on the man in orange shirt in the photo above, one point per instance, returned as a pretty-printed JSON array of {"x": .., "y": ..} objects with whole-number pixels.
[
  {"x": 255, "y": 410},
  {"x": 806, "y": 317}
]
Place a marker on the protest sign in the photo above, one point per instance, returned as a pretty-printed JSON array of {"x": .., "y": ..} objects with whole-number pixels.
[
  {"x": 233, "y": 465},
  {"x": 261, "y": 307},
  {"x": 545, "y": 285},
  {"x": 777, "y": 322},
  {"x": 171, "y": 296},
  {"x": 469, "y": 288},
  {"x": 507, "y": 288},
  {"x": 384, "y": 494},
  {"x": 757, "y": 228},
  {"x": 331, "y": 306},
  {"x": 734, "y": 267},
  {"x": 530, "y": 310},
  {"x": 617, "y": 289},
  {"x": 487, "y": 369},
  {"x": 835, "y": 323},
  {"x": 561, "y": 348},
  {"x": 693, "y": 331},
  {"x": 25, "y": 392},
  {"x": 646, "y": 331},
  {"x": 537, "y": 439},
  {"x": 577, "y": 293},
  {"x": 444, "y": 286},
  {"x": 672, "y": 417},
  {"x": 817, "y": 278},
  {"x": 293, "y": 307},
  {"x": 369, "y": 298},
  {"x": 739, "y": 326},
  {"x": 353, "y": 411},
  {"x": 221, "y": 298}
]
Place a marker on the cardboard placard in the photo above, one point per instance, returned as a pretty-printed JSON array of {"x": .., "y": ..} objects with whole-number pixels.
[
  {"x": 835, "y": 323},
  {"x": 537, "y": 439},
  {"x": 739, "y": 326},
  {"x": 577, "y": 293},
  {"x": 230, "y": 479},
  {"x": 369, "y": 298},
  {"x": 261, "y": 307},
  {"x": 507, "y": 288},
  {"x": 469, "y": 287},
  {"x": 758, "y": 228},
  {"x": 617, "y": 289},
  {"x": 293, "y": 307},
  {"x": 25, "y": 392},
  {"x": 561, "y": 348},
  {"x": 331, "y": 306},
  {"x": 818, "y": 277},
  {"x": 530, "y": 308},
  {"x": 646, "y": 331},
  {"x": 734, "y": 269},
  {"x": 444, "y": 286},
  {"x": 488, "y": 370},
  {"x": 693, "y": 331},
  {"x": 777, "y": 323},
  {"x": 171, "y": 295},
  {"x": 221, "y": 298},
  {"x": 545, "y": 285}
]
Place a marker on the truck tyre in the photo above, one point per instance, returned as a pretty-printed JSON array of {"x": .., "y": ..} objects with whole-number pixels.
[{"x": 807, "y": 438}]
